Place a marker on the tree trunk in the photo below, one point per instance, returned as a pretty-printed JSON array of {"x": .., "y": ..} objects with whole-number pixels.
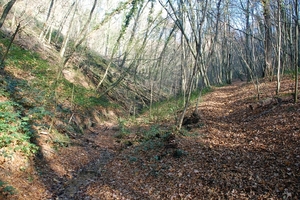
[
  {"x": 248, "y": 47},
  {"x": 46, "y": 26},
  {"x": 8, "y": 47},
  {"x": 278, "y": 46},
  {"x": 62, "y": 22},
  {"x": 268, "y": 71},
  {"x": 67, "y": 36},
  {"x": 8, "y": 6},
  {"x": 296, "y": 51}
]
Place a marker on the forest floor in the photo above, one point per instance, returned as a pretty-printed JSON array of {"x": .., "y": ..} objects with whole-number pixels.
[{"x": 232, "y": 153}]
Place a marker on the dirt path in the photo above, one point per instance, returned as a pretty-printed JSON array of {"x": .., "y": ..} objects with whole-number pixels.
[
  {"x": 233, "y": 153},
  {"x": 68, "y": 172},
  {"x": 85, "y": 176}
]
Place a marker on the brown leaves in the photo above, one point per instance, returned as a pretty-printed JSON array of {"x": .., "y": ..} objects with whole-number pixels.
[{"x": 230, "y": 158}]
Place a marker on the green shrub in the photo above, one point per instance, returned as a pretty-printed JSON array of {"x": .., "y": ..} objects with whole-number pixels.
[
  {"x": 123, "y": 130},
  {"x": 168, "y": 108},
  {"x": 15, "y": 134},
  {"x": 152, "y": 133},
  {"x": 6, "y": 190}
]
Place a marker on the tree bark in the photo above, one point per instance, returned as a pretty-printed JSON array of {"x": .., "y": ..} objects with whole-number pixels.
[
  {"x": 46, "y": 27},
  {"x": 8, "y": 47},
  {"x": 296, "y": 51},
  {"x": 268, "y": 71},
  {"x": 8, "y": 7},
  {"x": 278, "y": 46},
  {"x": 67, "y": 36}
]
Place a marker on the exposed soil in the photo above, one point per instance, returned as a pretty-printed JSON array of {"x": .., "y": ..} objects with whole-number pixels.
[{"x": 233, "y": 152}]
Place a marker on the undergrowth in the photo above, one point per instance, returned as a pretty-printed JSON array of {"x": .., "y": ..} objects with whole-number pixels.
[
  {"x": 6, "y": 189},
  {"x": 31, "y": 94},
  {"x": 15, "y": 131},
  {"x": 35, "y": 96},
  {"x": 168, "y": 109},
  {"x": 43, "y": 77}
]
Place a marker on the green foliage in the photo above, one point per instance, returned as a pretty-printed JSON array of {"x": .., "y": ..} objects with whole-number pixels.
[
  {"x": 204, "y": 91},
  {"x": 168, "y": 108},
  {"x": 179, "y": 153},
  {"x": 100, "y": 101},
  {"x": 290, "y": 72},
  {"x": 123, "y": 130},
  {"x": 130, "y": 15},
  {"x": 151, "y": 144},
  {"x": 37, "y": 91},
  {"x": 58, "y": 37},
  {"x": 15, "y": 134},
  {"x": 38, "y": 113},
  {"x": 40, "y": 90},
  {"x": 82, "y": 96},
  {"x": 152, "y": 133},
  {"x": 152, "y": 138},
  {"x": 6, "y": 190}
]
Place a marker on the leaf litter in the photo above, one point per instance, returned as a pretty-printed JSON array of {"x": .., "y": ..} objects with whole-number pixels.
[{"x": 234, "y": 153}]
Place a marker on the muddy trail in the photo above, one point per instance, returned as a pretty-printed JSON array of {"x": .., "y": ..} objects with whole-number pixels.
[{"x": 232, "y": 153}]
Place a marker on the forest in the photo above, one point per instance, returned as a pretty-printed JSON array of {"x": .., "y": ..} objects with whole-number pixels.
[{"x": 149, "y": 99}]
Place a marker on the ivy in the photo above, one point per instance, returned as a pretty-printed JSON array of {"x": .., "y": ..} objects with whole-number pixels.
[
  {"x": 15, "y": 134},
  {"x": 130, "y": 15}
]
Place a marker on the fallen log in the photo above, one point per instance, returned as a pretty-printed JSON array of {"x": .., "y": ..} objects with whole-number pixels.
[
  {"x": 270, "y": 101},
  {"x": 263, "y": 103}
]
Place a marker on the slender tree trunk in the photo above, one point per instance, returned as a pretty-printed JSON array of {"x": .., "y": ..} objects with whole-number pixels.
[
  {"x": 128, "y": 18},
  {"x": 182, "y": 68},
  {"x": 268, "y": 71},
  {"x": 279, "y": 47},
  {"x": 63, "y": 21},
  {"x": 189, "y": 92},
  {"x": 196, "y": 15},
  {"x": 248, "y": 46},
  {"x": 284, "y": 39},
  {"x": 84, "y": 34},
  {"x": 296, "y": 51},
  {"x": 67, "y": 36},
  {"x": 46, "y": 26},
  {"x": 227, "y": 46},
  {"x": 8, "y": 47},
  {"x": 8, "y": 6}
]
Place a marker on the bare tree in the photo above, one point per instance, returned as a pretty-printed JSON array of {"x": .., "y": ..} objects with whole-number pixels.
[
  {"x": 278, "y": 45},
  {"x": 196, "y": 13},
  {"x": 46, "y": 26},
  {"x": 268, "y": 70},
  {"x": 227, "y": 47},
  {"x": 70, "y": 29},
  {"x": 297, "y": 65}
]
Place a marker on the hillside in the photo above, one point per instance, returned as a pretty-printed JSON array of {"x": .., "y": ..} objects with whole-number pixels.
[
  {"x": 41, "y": 113},
  {"x": 93, "y": 93},
  {"x": 232, "y": 153}
]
